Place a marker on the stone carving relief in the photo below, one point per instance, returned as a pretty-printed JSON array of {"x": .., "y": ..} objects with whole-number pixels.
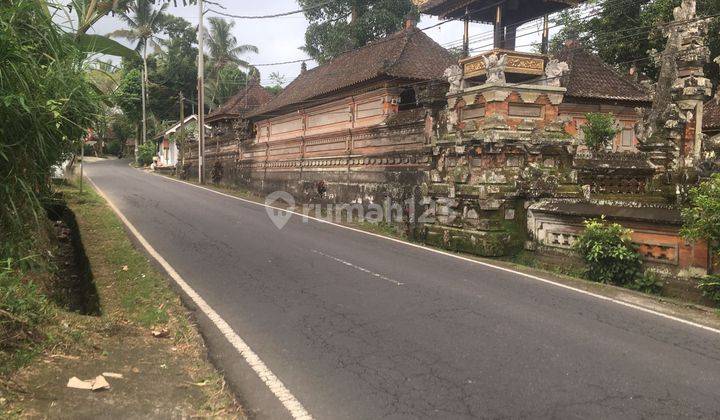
[
  {"x": 495, "y": 67},
  {"x": 554, "y": 70},
  {"x": 454, "y": 76}
]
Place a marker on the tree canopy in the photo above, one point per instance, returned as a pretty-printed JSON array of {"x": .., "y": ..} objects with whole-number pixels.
[
  {"x": 622, "y": 32},
  {"x": 341, "y": 25}
]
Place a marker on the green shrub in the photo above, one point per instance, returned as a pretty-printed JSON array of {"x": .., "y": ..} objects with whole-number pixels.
[
  {"x": 710, "y": 288},
  {"x": 113, "y": 147},
  {"x": 46, "y": 106},
  {"x": 23, "y": 310},
  {"x": 599, "y": 130},
  {"x": 649, "y": 282},
  {"x": 701, "y": 221},
  {"x": 146, "y": 153},
  {"x": 701, "y": 216},
  {"x": 89, "y": 149},
  {"x": 609, "y": 255}
]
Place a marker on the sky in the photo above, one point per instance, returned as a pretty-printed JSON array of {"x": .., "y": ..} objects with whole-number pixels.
[{"x": 278, "y": 39}]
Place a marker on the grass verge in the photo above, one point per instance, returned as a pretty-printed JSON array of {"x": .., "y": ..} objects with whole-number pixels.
[{"x": 166, "y": 376}]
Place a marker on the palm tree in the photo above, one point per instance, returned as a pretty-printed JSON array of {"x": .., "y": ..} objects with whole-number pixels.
[
  {"x": 225, "y": 60},
  {"x": 144, "y": 21},
  {"x": 223, "y": 45}
]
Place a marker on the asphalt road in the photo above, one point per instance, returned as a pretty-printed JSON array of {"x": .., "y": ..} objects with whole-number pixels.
[{"x": 321, "y": 306}]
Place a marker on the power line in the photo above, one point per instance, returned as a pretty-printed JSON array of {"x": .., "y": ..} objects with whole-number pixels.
[
  {"x": 607, "y": 2},
  {"x": 275, "y": 15}
]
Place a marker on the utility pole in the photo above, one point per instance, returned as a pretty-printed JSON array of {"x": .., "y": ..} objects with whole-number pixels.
[
  {"x": 181, "y": 136},
  {"x": 82, "y": 162},
  {"x": 466, "y": 35},
  {"x": 545, "y": 35},
  {"x": 201, "y": 97},
  {"x": 143, "y": 81}
]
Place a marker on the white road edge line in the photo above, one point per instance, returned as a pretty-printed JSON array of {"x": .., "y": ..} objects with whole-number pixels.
[
  {"x": 296, "y": 409},
  {"x": 470, "y": 260},
  {"x": 357, "y": 267}
]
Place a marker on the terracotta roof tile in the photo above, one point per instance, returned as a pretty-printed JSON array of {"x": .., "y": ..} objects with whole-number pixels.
[
  {"x": 591, "y": 78},
  {"x": 407, "y": 54},
  {"x": 242, "y": 103},
  {"x": 711, "y": 113}
]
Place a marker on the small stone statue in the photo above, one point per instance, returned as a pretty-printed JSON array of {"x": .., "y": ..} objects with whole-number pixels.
[
  {"x": 453, "y": 74},
  {"x": 554, "y": 70},
  {"x": 685, "y": 11},
  {"x": 452, "y": 120},
  {"x": 495, "y": 67}
]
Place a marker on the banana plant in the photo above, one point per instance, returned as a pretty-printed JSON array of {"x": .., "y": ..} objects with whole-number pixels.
[{"x": 89, "y": 12}]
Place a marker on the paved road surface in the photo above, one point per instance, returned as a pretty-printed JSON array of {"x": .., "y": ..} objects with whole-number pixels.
[{"x": 320, "y": 305}]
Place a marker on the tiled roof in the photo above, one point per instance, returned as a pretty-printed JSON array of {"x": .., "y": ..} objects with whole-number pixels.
[
  {"x": 711, "y": 114},
  {"x": 242, "y": 103},
  {"x": 408, "y": 54},
  {"x": 591, "y": 78}
]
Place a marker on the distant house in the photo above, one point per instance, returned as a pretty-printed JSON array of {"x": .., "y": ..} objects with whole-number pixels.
[
  {"x": 168, "y": 152},
  {"x": 247, "y": 100}
]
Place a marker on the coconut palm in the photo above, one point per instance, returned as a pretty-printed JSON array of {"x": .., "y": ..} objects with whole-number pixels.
[
  {"x": 223, "y": 46},
  {"x": 144, "y": 21},
  {"x": 225, "y": 61}
]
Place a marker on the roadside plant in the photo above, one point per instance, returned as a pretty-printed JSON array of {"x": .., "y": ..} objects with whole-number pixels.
[
  {"x": 649, "y": 282},
  {"x": 710, "y": 287},
  {"x": 46, "y": 104},
  {"x": 23, "y": 309},
  {"x": 146, "y": 153},
  {"x": 609, "y": 255},
  {"x": 599, "y": 130},
  {"x": 701, "y": 221}
]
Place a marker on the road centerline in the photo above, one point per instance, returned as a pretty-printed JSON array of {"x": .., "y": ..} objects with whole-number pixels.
[
  {"x": 357, "y": 267},
  {"x": 539, "y": 279}
]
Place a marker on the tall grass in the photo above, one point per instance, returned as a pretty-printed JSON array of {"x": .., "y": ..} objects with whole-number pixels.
[{"x": 46, "y": 103}]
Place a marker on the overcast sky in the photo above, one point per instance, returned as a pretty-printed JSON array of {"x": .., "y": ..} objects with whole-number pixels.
[{"x": 279, "y": 38}]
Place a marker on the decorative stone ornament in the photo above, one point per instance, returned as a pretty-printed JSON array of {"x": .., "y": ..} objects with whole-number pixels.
[
  {"x": 453, "y": 74},
  {"x": 495, "y": 68},
  {"x": 554, "y": 70}
]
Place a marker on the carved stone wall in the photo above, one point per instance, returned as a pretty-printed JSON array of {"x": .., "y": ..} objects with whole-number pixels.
[{"x": 364, "y": 165}]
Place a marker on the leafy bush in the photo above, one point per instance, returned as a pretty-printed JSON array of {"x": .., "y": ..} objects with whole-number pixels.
[
  {"x": 701, "y": 217},
  {"x": 599, "y": 130},
  {"x": 89, "y": 149},
  {"x": 46, "y": 104},
  {"x": 146, "y": 153},
  {"x": 701, "y": 221},
  {"x": 113, "y": 147},
  {"x": 710, "y": 287},
  {"x": 608, "y": 253},
  {"x": 649, "y": 282},
  {"x": 23, "y": 309}
]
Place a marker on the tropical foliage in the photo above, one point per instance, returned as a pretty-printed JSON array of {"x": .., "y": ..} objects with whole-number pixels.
[
  {"x": 223, "y": 45},
  {"x": 46, "y": 104},
  {"x": 701, "y": 221},
  {"x": 340, "y": 25},
  {"x": 609, "y": 255},
  {"x": 623, "y": 31},
  {"x": 599, "y": 130},
  {"x": 225, "y": 76},
  {"x": 144, "y": 21}
]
